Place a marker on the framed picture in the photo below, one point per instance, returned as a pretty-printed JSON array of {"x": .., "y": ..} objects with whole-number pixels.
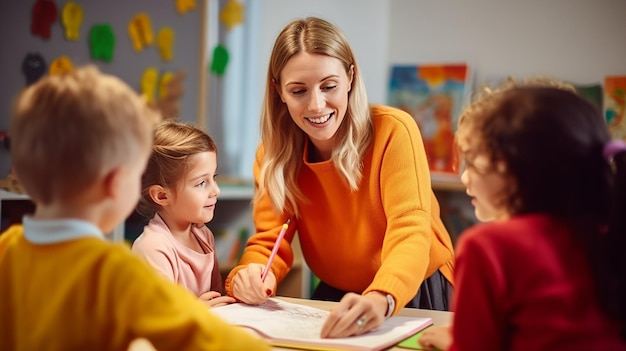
[{"x": 434, "y": 95}]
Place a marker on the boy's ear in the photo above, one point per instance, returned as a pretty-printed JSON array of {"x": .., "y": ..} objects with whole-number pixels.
[
  {"x": 159, "y": 195},
  {"x": 111, "y": 182}
]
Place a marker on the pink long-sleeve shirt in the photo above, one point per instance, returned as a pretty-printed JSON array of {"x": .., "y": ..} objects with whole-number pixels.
[{"x": 198, "y": 272}]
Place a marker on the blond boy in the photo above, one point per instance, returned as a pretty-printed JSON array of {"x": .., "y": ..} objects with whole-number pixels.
[{"x": 79, "y": 144}]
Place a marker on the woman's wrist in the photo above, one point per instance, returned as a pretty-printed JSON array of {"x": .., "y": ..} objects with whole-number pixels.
[{"x": 382, "y": 300}]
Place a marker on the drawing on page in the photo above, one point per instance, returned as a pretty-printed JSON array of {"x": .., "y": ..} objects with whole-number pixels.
[
  {"x": 304, "y": 322},
  {"x": 297, "y": 324}
]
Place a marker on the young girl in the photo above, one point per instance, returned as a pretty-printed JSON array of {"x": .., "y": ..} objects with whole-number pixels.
[
  {"x": 547, "y": 273},
  {"x": 179, "y": 194}
]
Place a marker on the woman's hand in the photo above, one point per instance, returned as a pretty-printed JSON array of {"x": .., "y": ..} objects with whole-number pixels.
[
  {"x": 436, "y": 338},
  {"x": 248, "y": 287},
  {"x": 214, "y": 299},
  {"x": 355, "y": 314}
]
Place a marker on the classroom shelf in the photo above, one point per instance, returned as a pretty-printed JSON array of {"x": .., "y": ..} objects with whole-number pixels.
[
  {"x": 236, "y": 192},
  {"x": 446, "y": 182}
]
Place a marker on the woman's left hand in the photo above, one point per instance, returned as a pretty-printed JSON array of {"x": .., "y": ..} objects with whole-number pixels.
[{"x": 355, "y": 314}]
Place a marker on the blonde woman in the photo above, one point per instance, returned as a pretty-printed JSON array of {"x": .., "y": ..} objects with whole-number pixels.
[{"x": 354, "y": 182}]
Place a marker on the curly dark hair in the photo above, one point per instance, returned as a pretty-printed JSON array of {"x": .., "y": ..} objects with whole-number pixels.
[{"x": 551, "y": 141}]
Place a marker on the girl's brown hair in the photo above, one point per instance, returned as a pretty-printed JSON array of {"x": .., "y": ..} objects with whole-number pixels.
[{"x": 174, "y": 143}]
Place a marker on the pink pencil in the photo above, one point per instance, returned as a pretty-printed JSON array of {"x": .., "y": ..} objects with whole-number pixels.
[{"x": 275, "y": 249}]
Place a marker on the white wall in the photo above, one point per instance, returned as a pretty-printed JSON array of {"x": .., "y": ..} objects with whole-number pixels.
[
  {"x": 580, "y": 41},
  {"x": 576, "y": 40}
]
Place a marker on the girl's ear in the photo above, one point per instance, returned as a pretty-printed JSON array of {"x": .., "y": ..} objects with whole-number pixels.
[
  {"x": 159, "y": 195},
  {"x": 501, "y": 167}
]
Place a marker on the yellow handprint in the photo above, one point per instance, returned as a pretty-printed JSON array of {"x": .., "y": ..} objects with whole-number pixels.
[
  {"x": 165, "y": 41},
  {"x": 140, "y": 31},
  {"x": 182, "y": 6},
  {"x": 72, "y": 18},
  {"x": 61, "y": 65},
  {"x": 149, "y": 83}
]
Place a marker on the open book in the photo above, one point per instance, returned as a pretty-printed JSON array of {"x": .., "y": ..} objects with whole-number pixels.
[{"x": 298, "y": 326}]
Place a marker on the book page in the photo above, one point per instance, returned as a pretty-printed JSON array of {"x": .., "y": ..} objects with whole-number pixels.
[{"x": 289, "y": 324}]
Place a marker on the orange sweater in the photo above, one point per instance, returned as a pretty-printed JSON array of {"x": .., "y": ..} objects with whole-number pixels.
[{"x": 387, "y": 236}]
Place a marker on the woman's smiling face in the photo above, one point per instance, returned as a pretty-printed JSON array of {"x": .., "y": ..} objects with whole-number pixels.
[{"x": 315, "y": 88}]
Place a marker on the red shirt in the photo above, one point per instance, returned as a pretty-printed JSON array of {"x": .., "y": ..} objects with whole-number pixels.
[{"x": 524, "y": 284}]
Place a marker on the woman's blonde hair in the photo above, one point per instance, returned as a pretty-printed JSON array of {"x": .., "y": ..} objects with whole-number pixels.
[
  {"x": 283, "y": 142},
  {"x": 174, "y": 143}
]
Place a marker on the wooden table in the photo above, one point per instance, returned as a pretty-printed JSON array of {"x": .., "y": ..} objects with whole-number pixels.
[{"x": 438, "y": 317}]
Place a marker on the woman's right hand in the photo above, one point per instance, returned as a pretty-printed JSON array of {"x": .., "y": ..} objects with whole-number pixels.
[{"x": 248, "y": 287}]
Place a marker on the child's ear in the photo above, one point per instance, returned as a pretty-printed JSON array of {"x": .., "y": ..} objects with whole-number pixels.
[
  {"x": 159, "y": 195},
  {"x": 112, "y": 181},
  {"x": 501, "y": 167}
]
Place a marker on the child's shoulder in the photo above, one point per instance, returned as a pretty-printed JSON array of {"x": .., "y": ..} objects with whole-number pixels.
[
  {"x": 155, "y": 236},
  {"x": 10, "y": 237},
  {"x": 517, "y": 233},
  {"x": 12, "y": 233},
  {"x": 116, "y": 257}
]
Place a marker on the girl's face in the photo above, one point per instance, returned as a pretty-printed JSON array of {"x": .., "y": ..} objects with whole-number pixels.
[
  {"x": 196, "y": 194},
  {"x": 487, "y": 186},
  {"x": 315, "y": 88}
]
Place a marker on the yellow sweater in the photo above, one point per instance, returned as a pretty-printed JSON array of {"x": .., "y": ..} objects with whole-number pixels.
[
  {"x": 89, "y": 294},
  {"x": 387, "y": 236}
]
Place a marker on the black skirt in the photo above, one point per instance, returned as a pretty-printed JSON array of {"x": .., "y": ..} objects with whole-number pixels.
[{"x": 435, "y": 293}]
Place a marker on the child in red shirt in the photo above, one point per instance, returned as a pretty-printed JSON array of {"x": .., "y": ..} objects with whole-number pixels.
[{"x": 546, "y": 273}]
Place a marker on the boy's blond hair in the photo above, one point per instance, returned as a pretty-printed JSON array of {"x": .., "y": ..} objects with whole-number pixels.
[{"x": 69, "y": 130}]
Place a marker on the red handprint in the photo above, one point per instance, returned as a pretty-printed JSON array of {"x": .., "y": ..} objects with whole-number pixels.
[{"x": 43, "y": 15}]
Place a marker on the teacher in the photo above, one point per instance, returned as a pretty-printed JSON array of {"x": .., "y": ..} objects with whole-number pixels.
[{"x": 354, "y": 182}]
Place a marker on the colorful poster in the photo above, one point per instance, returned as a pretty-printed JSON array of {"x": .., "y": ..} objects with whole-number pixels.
[
  {"x": 615, "y": 105},
  {"x": 434, "y": 95}
]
